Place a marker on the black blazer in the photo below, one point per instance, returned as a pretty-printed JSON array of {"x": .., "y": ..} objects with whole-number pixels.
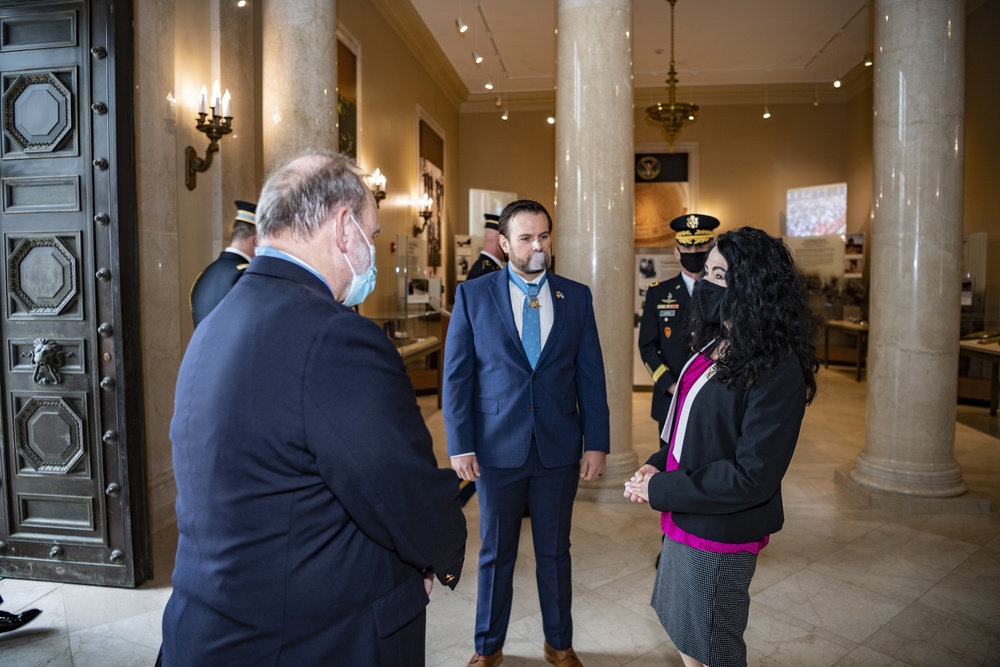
[
  {"x": 663, "y": 344},
  {"x": 308, "y": 495},
  {"x": 737, "y": 446}
]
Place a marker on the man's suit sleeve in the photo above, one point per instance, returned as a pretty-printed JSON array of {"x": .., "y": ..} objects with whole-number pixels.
[
  {"x": 649, "y": 346},
  {"x": 591, "y": 386},
  {"x": 459, "y": 371},
  {"x": 373, "y": 450}
]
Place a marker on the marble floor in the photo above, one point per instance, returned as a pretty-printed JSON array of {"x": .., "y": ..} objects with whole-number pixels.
[{"x": 840, "y": 585}]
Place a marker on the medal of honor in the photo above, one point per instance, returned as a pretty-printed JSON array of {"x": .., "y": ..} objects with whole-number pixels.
[{"x": 533, "y": 303}]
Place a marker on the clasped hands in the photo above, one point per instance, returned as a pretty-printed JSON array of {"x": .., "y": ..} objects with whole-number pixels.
[{"x": 637, "y": 488}]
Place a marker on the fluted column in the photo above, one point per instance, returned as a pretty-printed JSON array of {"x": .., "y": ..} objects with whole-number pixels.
[
  {"x": 918, "y": 156},
  {"x": 595, "y": 196},
  {"x": 299, "y": 78}
]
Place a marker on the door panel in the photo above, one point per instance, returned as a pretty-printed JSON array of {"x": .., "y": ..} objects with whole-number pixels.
[{"x": 72, "y": 471}]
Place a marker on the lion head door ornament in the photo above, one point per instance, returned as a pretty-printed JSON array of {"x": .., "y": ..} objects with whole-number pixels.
[{"x": 48, "y": 357}]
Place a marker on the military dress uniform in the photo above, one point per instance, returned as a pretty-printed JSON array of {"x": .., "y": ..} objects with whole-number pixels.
[
  {"x": 662, "y": 343},
  {"x": 485, "y": 264},
  {"x": 218, "y": 278},
  {"x": 215, "y": 282}
]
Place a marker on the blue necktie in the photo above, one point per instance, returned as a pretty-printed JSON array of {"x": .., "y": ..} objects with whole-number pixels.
[{"x": 531, "y": 322}]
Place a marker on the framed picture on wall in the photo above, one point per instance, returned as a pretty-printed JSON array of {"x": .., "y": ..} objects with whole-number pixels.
[{"x": 482, "y": 202}]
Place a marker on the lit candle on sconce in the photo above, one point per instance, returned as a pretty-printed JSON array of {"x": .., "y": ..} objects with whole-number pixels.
[
  {"x": 216, "y": 99},
  {"x": 425, "y": 204},
  {"x": 376, "y": 183},
  {"x": 215, "y": 126}
]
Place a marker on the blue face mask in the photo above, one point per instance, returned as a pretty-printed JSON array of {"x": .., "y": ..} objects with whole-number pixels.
[{"x": 361, "y": 284}]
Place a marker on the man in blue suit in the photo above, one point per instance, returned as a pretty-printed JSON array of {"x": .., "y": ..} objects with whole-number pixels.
[
  {"x": 526, "y": 417},
  {"x": 311, "y": 513}
]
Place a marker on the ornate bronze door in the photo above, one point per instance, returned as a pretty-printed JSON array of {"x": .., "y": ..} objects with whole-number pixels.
[{"x": 72, "y": 470}]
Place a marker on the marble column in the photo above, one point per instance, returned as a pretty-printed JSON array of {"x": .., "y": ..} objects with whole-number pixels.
[
  {"x": 916, "y": 244},
  {"x": 299, "y": 79},
  {"x": 595, "y": 197}
]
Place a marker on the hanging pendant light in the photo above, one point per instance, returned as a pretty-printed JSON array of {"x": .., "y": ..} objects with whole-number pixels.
[{"x": 672, "y": 115}]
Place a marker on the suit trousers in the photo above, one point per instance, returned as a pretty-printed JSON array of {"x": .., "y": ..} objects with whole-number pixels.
[{"x": 503, "y": 494}]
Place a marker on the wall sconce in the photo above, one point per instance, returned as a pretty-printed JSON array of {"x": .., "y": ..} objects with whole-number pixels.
[
  {"x": 216, "y": 127},
  {"x": 424, "y": 210},
  {"x": 376, "y": 183}
]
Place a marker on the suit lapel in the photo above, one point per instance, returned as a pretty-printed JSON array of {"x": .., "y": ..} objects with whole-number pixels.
[
  {"x": 557, "y": 321},
  {"x": 500, "y": 292}
]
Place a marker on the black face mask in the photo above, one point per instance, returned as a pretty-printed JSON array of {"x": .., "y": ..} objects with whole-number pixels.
[
  {"x": 693, "y": 262},
  {"x": 709, "y": 300}
]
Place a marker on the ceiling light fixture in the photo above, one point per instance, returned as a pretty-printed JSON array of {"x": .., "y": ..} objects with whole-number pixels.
[
  {"x": 551, "y": 120},
  {"x": 672, "y": 115},
  {"x": 767, "y": 114},
  {"x": 489, "y": 84},
  {"x": 476, "y": 58},
  {"x": 868, "y": 59},
  {"x": 461, "y": 26},
  {"x": 504, "y": 115}
]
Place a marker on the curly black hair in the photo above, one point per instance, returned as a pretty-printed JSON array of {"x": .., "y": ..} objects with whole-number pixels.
[{"x": 765, "y": 310}]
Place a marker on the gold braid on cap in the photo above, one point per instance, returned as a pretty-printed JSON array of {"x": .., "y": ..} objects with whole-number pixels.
[{"x": 694, "y": 236}]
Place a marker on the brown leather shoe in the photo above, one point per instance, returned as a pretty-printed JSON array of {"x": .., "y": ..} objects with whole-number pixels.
[
  {"x": 564, "y": 658},
  {"x": 485, "y": 660}
]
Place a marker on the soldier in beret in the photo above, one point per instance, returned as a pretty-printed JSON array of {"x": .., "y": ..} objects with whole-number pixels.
[
  {"x": 489, "y": 259},
  {"x": 662, "y": 344},
  {"x": 219, "y": 277}
]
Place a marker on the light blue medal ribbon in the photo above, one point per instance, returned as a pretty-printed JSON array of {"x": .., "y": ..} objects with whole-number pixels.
[{"x": 531, "y": 322}]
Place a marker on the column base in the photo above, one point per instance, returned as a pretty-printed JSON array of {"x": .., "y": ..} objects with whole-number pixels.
[{"x": 968, "y": 503}]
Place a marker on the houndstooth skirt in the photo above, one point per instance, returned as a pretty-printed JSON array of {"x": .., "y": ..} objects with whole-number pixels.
[{"x": 702, "y": 600}]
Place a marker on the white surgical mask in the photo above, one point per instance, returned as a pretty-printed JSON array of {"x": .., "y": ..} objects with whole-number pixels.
[{"x": 362, "y": 284}]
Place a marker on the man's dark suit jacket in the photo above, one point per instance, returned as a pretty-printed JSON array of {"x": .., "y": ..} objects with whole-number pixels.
[
  {"x": 662, "y": 343},
  {"x": 308, "y": 496},
  {"x": 214, "y": 283},
  {"x": 493, "y": 402},
  {"x": 738, "y": 444}
]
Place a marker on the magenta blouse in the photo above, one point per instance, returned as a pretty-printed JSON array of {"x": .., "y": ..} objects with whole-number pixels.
[{"x": 698, "y": 367}]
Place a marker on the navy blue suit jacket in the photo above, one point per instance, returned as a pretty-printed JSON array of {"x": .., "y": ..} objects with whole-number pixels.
[
  {"x": 308, "y": 496},
  {"x": 493, "y": 400}
]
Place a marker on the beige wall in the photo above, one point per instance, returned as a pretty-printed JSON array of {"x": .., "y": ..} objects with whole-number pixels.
[
  {"x": 393, "y": 85},
  {"x": 982, "y": 142},
  {"x": 516, "y": 155}
]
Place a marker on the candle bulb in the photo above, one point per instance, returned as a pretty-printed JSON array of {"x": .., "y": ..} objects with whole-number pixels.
[
  {"x": 201, "y": 100},
  {"x": 216, "y": 99},
  {"x": 226, "y": 110}
]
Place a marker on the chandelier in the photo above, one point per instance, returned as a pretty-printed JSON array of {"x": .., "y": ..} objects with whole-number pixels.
[{"x": 673, "y": 114}]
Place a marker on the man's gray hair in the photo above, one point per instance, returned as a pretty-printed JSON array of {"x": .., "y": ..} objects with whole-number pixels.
[{"x": 302, "y": 193}]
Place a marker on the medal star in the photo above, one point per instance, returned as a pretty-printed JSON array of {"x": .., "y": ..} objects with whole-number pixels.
[{"x": 533, "y": 304}]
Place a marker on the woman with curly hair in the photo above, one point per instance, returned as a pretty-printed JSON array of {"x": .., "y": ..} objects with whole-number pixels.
[{"x": 728, "y": 440}]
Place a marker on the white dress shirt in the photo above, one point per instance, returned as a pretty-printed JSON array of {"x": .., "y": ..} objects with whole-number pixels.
[{"x": 545, "y": 314}]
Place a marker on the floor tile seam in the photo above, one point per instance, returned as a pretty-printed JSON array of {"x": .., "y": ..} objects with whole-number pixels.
[
  {"x": 806, "y": 626},
  {"x": 968, "y": 621},
  {"x": 848, "y": 580}
]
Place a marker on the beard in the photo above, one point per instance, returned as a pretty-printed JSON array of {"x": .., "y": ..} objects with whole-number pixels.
[{"x": 536, "y": 262}]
